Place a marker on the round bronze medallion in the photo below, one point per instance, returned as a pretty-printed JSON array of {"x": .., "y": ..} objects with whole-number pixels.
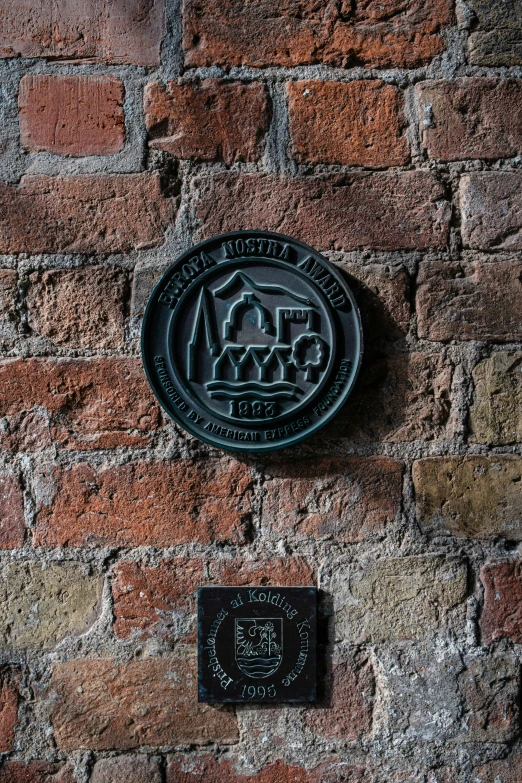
[{"x": 251, "y": 341}]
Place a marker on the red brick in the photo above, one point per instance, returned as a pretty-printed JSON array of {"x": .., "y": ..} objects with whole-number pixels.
[
  {"x": 35, "y": 772},
  {"x": 161, "y": 600},
  {"x": 491, "y": 206},
  {"x": 184, "y": 769},
  {"x": 9, "y": 683},
  {"x": 12, "y": 524},
  {"x": 105, "y": 213},
  {"x": 345, "y": 499},
  {"x": 411, "y": 205},
  {"x": 87, "y": 403},
  {"x": 282, "y": 571},
  {"x": 71, "y": 115},
  {"x": 128, "y": 769},
  {"x": 125, "y": 31},
  {"x": 146, "y": 503},
  {"x": 382, "y": 292},
  {"x": 90, "y": 303},
  {"x": 157, "y": 600},
  {"x": 100, "y": 705},
  {"x": 399, "y": 397},
  {"x": 477, "y": 299},
  {"x": 306, "y": 32},
  {"x": 356, "y": 124},
  {"x": 191, "y": 769},
  {"x": 507, "y": 770},
  {"x": 471, "y": 118},
  {"x": 502, "y": 614},
  {"x": 210, "y": 120},
  {"x": 350, "y": 687},
  {"x": 8, "y": 297}
]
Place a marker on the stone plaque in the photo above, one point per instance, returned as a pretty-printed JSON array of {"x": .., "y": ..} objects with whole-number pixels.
[
  {"x": 257, "y": 644},
  {"x": 251, "y": 341}
]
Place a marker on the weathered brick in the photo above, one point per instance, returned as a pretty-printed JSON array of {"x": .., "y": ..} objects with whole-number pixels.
[
  {"x": 90, "y": 303},
  {"x": 410, "y": 204},
  {"x": 114, "y": 32},
  {"x": 471, "y": 118},
  {"x": 8, "y": 297},
  {"x": 205, "y": 768},
  {"x": 71, "y": 115},
  {"x": 349, "y": 689},
  {"x": 399, "y": 397},
  {"x": 398, "y": 599},
  {"x": 41, "y": 606},
  {"x": 145, "y": 503},
  {"x": 508, "y": 770},
  {"x": 440, "y": 695},
  {"x": 306, "y": 32},
  {"x": 143, "y": 282},
  {"x": 35, "y": 772},
  {"x": 88, "y": 403},
  {"x": 502, "y": 613},
  {"x": 491, "y": 14},
  {"x": 491, "y": 206},
  {"x": 283, "y": 571},
  {"x": 9, "y": 685},
  {"x": 157, "y": 600},
  {"x": 472, "y": 497},
  {"x": 476, "y": 299},
  {"x": 356, "y": 124},
  {"x": 382, "y": 292},
  {"x": 131, "y": 769},
  {"x": 497, "y": 39},
  {"x": 490, "y": 689},
  {"x": 495, "y": 416},
  {"x": 105, "y": 213},
  {"x": 210, "y": 120},
  {"x": 161, "y": 600},
  {"x": 12, "y": 523},
  {"x": 345, "y": 499},
  {"x": 496, "y": 47},
  {"x": 100, "y": 705}
]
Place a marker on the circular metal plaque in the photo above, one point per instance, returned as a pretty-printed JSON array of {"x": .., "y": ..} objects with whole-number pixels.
[{"x": 251, "y": 341}]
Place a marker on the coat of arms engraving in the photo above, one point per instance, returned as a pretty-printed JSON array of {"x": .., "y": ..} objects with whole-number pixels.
[{"x": 259, "y": 645}]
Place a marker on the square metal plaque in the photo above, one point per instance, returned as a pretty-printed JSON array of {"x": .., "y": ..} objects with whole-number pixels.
[{"x": 257, "y": 644}]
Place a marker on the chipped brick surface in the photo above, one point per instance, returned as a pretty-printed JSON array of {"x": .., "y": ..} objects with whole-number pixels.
[
  {"x": 100, "y": 213},
  {"x": 474, "y": 299},
  {"x": 9, "y": 697},
  {"x": 315, "y": 208},
  {"x": 91, "y": 303},
  {"x": 75, "y": 404},
  {"x": 122, "y": 32},
  {"x": 475, "y": 496},
  {"x": 213, "y": 121},
  {"x": 348, "y": 500},
  {"x": 356, "y": 124},
  {"x": 306, "y": 32},
  {"x": 471, "y": 118},
  {"x": 102, "y": 706},
  {"x": 145, "y": 503}
]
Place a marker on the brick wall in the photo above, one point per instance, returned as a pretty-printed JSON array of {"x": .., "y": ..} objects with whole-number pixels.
[{"x": 389, "y": 136}]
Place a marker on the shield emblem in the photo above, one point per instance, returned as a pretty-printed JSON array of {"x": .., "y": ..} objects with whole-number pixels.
[{"x": 259, "y": 645}]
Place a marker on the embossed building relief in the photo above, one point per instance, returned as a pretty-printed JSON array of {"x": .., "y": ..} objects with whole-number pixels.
[
  {"x": 252, "y": 341},
  {"x": 257, "y": 644}
]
